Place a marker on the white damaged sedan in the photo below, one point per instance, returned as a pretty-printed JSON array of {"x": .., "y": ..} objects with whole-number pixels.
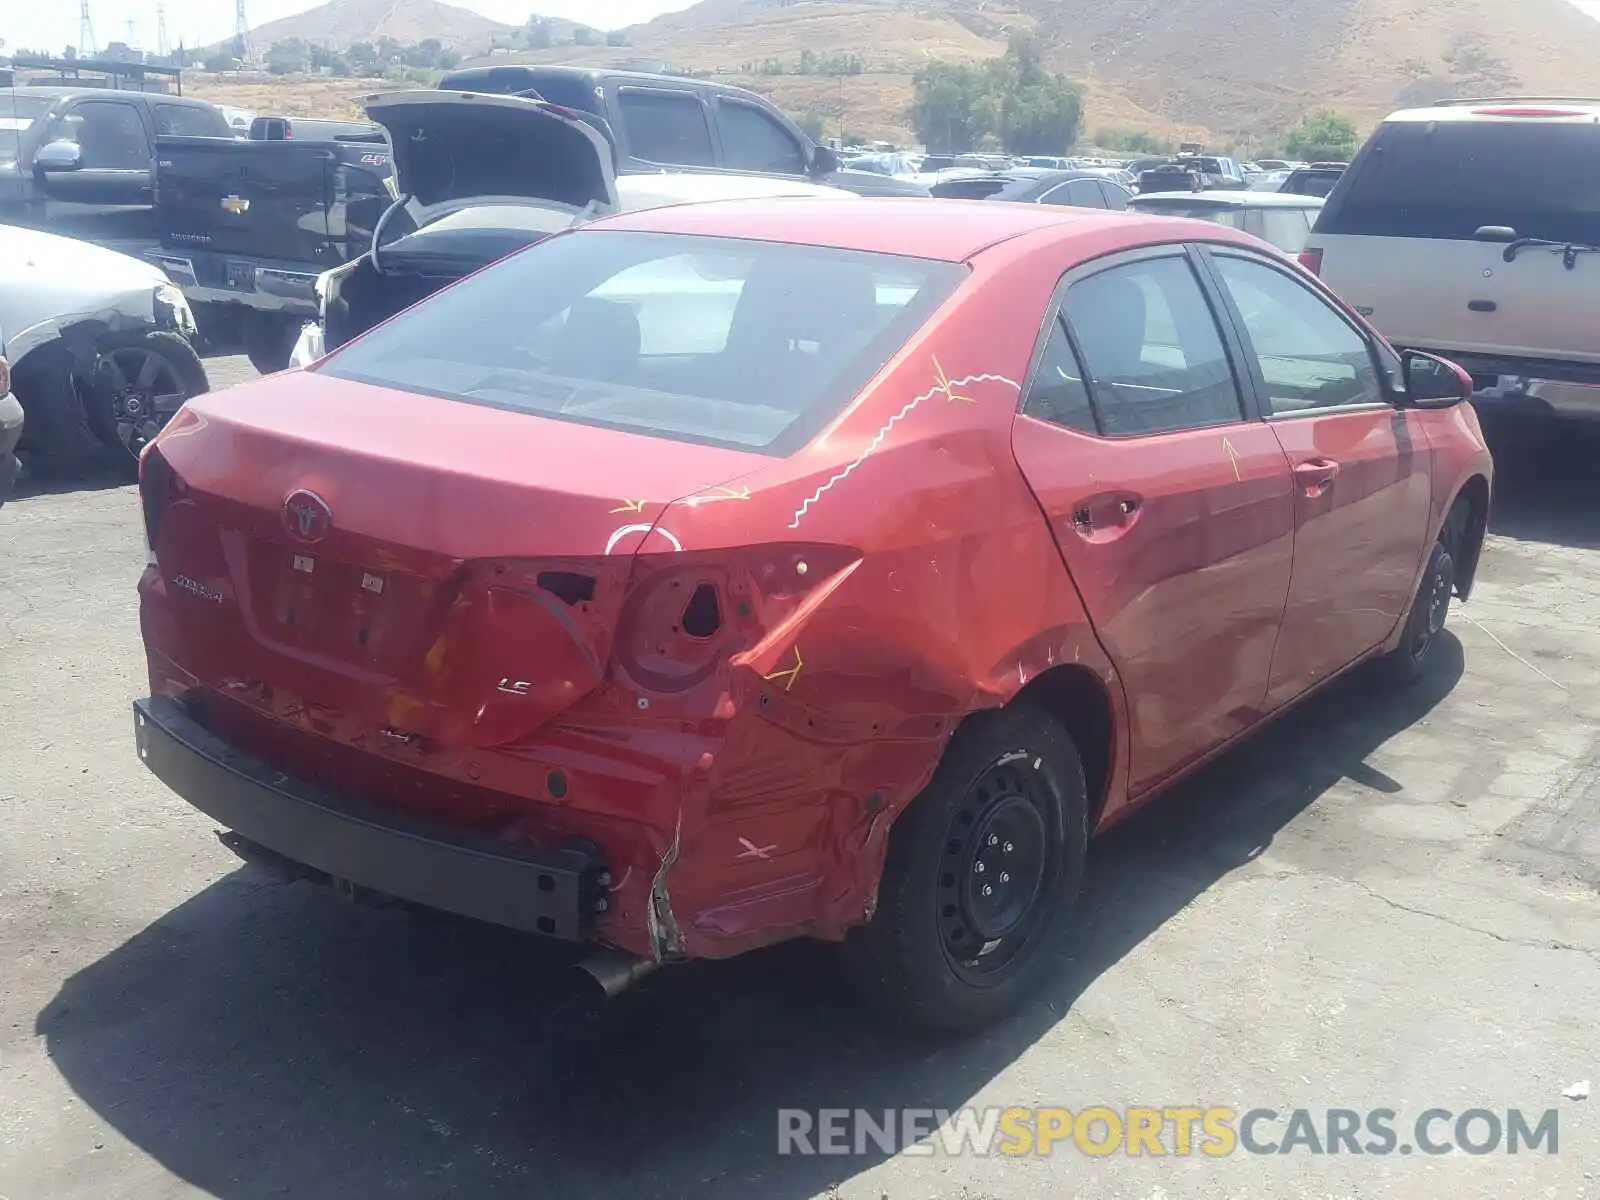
[{"x": 98, "y": 347}]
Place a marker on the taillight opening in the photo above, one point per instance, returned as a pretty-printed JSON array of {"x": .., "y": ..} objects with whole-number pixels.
[
  {"x": 687, "y": 615},
  {"x": 702, "y": 616}
]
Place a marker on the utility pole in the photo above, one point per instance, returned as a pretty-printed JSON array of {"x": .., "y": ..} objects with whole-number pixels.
[
  {"x": 163, "y": 47},
  {"x": 241, "y": 31},
  {"x": 86, "y": 43},
  {"x": 132, "y": 37}
]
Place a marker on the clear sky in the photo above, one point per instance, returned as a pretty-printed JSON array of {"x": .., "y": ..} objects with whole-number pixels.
[{"x": 53, "y": 24}]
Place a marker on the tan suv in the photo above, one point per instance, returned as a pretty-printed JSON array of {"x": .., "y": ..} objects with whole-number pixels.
[{"x": 1472, "y": 229}]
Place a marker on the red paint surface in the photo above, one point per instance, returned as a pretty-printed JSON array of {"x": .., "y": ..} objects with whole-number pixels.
[{"x": 766, "y": 763}]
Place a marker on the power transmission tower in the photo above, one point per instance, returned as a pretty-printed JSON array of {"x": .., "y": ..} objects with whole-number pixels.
[
  {"x": 241, "y": 31},
  {"x": 162, "y": 47},
  {"x": 86, "y": 43}
]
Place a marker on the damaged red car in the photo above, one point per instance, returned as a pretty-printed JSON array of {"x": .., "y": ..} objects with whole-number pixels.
[{"x": 721, "y": 574}]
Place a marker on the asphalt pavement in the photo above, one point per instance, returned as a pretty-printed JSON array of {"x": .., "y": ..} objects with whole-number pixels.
[{"x": 1383, "y": 901}]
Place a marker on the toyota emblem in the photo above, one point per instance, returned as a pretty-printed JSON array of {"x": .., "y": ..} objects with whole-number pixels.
[{"x": 306, "y": 516}]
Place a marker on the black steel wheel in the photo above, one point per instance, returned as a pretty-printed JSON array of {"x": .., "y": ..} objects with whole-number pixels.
[
  {"x": 981, "y": 875},
  {"x": 993, "y": 869},
  {"x": 1408, "y": 662},
  {"x": 139, "y": 385}
]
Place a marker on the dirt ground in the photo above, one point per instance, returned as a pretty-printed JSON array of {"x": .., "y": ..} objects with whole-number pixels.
[{"x": 1382, "y": 901}]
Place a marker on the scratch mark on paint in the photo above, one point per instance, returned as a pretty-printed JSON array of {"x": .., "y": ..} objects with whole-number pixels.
[
  {"x": 630, "y": 506},
  {"x": 944, "y": 387},
  {"x": 727, "y": 494},
  {"x": 1233, "y": 457},
  {"x": 616, "y": 537},
  {"x": 751, "y": 850},
  {"x": 791, "y": 674}
]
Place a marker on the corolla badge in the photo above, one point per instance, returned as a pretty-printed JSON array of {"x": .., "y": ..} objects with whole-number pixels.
[{"x": 307, "y": 516}]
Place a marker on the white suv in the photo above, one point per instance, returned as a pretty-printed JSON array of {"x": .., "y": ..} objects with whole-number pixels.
[{"x": 1471, "y": 229}]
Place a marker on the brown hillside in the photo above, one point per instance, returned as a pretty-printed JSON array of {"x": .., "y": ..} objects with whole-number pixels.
[
  {"x": 1233, "y": 72},
  {"x": 1239, "y": 69},
  {"x": 1252, "y": 66},
  {"x": 342, "y": 23}
]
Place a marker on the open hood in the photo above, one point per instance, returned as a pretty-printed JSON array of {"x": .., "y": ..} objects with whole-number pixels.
[{"x": 454, "y": 146}]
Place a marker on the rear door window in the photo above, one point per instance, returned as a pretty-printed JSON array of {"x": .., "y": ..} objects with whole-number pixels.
[
  {"x": 661, "y": 334},
  {"x": 182, "y": 120},
  {"x": 1447, "y": 179},
  {"x": 1116, "y": 196},
  {"x": 1152, "y": 349},
  {"x": 1079, "y": 193},
  {"x": 667, "y": 127},
  {"x": 753, "y": 141}
]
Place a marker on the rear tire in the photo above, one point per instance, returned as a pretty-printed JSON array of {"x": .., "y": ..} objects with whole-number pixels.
[
  {"x": 1408, "y": 662},
  {"x": 1006, "y": 810},
  {"x": 269, "y": 341}
]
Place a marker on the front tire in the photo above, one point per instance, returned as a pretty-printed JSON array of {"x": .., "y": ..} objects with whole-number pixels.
[
  {"x": 981, "y": 877},
  {"x": 140, "y": 382},
  {"x": 1408, "y": 662}
]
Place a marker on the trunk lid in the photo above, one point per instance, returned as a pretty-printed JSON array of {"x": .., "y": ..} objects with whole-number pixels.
[
  {"x": 403, "y": 566},
  {"x": 454, "y": 146}
]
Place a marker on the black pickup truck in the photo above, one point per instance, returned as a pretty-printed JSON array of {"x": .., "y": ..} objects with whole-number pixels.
[
  {"x": 79, "y": 161},
  {"x": 247, "y": 226}
]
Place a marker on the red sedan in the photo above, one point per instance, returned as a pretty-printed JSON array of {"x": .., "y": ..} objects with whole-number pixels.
[{"x": 728, "y": 573}]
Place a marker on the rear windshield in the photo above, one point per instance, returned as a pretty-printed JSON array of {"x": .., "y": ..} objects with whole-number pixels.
[
  {"x": 1310, "y": 183},
  {"x": 726, "y": 342},
  {"x": 1217, "y": 214},
  {"x": 16, "y": 114},
  {"x": 1449, "y": 178}
]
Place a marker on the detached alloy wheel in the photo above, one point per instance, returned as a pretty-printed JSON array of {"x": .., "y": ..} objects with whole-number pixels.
[
  {"x": 981, "y": 876},
  {"x": 139, "y": 384}
]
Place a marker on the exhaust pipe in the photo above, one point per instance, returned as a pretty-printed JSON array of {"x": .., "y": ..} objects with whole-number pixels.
[{"x": 615, "y": 971}]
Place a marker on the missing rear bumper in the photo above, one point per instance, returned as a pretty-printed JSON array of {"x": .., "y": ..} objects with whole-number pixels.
[{"x": 554, "y": 891}]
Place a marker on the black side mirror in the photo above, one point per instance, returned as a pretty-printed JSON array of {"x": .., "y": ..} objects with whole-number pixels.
[
  {"x": 1495, "y": 233},
  {"x": 823, "y": 161},
  {"x": 58, "y": 156},
  {"x": 1433, "y": 382}
]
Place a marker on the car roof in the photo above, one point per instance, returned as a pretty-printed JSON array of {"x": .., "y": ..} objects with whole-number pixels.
[
  {"x": 1229, "y": 198},
  {"x": 912, "y": 227},
  {"x": 1514, "y": 109}
]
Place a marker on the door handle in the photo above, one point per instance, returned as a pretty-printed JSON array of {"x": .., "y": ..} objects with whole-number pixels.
[{"x": 1316, "y": 475}]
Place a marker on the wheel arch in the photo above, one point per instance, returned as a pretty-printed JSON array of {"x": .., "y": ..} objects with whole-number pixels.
[
  {"x": 1466, "y": 523},
  {"x": 1077, "y": 698}
]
